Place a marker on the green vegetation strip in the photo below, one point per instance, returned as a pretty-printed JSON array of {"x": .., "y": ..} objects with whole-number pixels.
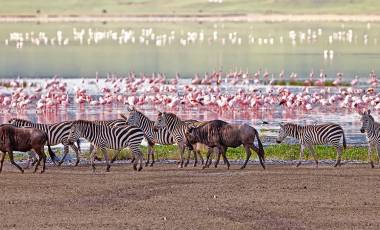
[{"x": 272, "y": 152}]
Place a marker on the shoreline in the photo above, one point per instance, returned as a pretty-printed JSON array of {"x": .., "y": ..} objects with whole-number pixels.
[{"x": 193, "y": 18}]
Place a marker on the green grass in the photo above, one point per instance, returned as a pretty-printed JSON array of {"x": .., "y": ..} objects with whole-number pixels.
[
  {"x": 302, "y": 83},
  {"x": 272, "y": 152},
  {"x": 165, "y": 7}
]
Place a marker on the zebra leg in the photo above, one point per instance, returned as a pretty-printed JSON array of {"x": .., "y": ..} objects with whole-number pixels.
[
  {"x": 105, "y": 154},
  {"x": 92, "y": 158},
  {"x": 15, "y": 164},
  {"x": 301, "y": 155},
  {"x": 77, "y": 153},
  {"x": 369, "y": 155},
  {"x": 378, "y": 153},
  {"x": 339, "y": 150},
  {"x": 149, "y": 152},
  {"x": 114, "y": 158},
  {"x": 65, "y": 151},
  {"x": 310, "y": 147},
  {"x": 248, "y": 155},
  {"x": 139, "y": 158},
  {"x": 152, "y": 151}
]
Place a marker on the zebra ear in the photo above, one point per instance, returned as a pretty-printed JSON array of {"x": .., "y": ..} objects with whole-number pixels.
[
  {"x": 124, "y": 116},
  {"x": 129, "y": 109}
]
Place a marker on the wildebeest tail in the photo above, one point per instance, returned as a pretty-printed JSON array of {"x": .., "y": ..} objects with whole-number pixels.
[
  {"x": 78, "y": 144},
  {"x": 261, "y": 148},
  {"x": 51, "y": 153}
]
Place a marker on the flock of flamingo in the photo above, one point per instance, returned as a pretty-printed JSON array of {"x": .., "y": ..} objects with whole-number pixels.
[
  {"x": 215, "y": 35},
  {"x": 215, "y": 91}
]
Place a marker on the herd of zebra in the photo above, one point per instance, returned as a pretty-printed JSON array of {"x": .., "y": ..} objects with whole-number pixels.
[{"x": 168, "y": 129}]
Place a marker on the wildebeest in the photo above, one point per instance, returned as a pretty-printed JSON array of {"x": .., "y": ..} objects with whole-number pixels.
[
  {"x": 13, "y": 138},
  {"x": 220, "y": 134}
]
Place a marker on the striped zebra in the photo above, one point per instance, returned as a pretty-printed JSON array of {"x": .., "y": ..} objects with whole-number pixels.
[
  {"x": 372, "y": 128},
  {"x": 310, "y": 135},
  {"x": 109, "y": 123},
  {"x": 105, "y": 137},
  {"x": 177, "y": 129},
  {"x": 57, "y": 134},
  {"x": 160, "y": 136}
]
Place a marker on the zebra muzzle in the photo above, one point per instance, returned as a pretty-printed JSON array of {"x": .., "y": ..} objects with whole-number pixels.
[{"x": 362, "y": 130}]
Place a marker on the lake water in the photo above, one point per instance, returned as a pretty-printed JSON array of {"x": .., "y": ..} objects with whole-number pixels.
[{"x": 82, "y": 49}]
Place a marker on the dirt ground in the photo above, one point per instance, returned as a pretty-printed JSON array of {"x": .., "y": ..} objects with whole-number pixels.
[{"x": 164, "y": 197}]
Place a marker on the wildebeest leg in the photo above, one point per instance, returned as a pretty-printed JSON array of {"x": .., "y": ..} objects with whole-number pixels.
[
  {"x": 13, "y": 162},
  {"x": 369, "y": 155},
  {"x": 42, "y": 156},
  {"x": 339, "y": 150},
  {"x": 188, "y": 158},
  {"x": 301, "y": 155},
  {"x": 310, "y": 147},
  {"x": 223, "y": 151},
  {"x": 218, "y": 159},
  {"x": 248, "y": 154},
  {"x": 209, "y": 151},
  {"x": 195, "y": 151},
  {"x": 2, "y": 160},
  {"x": 181, "y": 151},
  {"x": 254, "y": 148},
  {"x": 105, "y": 154},
  {"x": 77, "y": 153},
  {"x": 200, "y": 156},
  {"x": 65, "y": 152}
]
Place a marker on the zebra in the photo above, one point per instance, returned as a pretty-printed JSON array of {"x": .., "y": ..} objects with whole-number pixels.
[
  {"x": 177, "y": 129},
  {"x": 105, "y": 137},
  {"x": 110, "y": 123},
  {"x": 161, "y": 136},
  {"x": 57, "y": 133},
  {"x": 310, "y": 135},
  {"x": 372, "y": 128}
]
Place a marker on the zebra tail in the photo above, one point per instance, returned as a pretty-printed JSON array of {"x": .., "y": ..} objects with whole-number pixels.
[
  {"x": 261, "y": 148},
  {"x": 344, "y": 141},
  {"x": 78, "y": 144}
]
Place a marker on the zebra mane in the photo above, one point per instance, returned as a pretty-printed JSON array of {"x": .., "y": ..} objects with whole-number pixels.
[
  {"x": 20, "y": 120},
  {"x": 171, "y": 116}
]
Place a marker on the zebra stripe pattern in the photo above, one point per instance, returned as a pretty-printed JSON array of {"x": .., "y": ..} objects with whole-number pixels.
[
  {"x": 372, "y": 129},
  {"x": 160, "y": 136},
  {"x": 177, "y": 129},
  {"x": 57, "y": 134},
  {"x": 310, "y": 135},
  {"x": 105, "y": 137}
]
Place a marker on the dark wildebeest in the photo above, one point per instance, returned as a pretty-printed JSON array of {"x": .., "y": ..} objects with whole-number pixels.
[
  {"x": 222, "y": 135},
  {"x": 13, "y": 138}
]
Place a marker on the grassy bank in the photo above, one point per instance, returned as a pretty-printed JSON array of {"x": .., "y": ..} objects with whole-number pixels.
[
  {"x": 273, "y": 152},
  {"x": 185, "y": 7}
]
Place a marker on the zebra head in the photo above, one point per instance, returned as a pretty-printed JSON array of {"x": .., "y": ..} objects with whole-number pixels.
[
  {"x": 366, "y": 119},
  {"x": 282, "y": 134},
  {"x": 75, "y": 132},
  {"x": 160, "y": 122},
  {"x": 133, "y": 117}
]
